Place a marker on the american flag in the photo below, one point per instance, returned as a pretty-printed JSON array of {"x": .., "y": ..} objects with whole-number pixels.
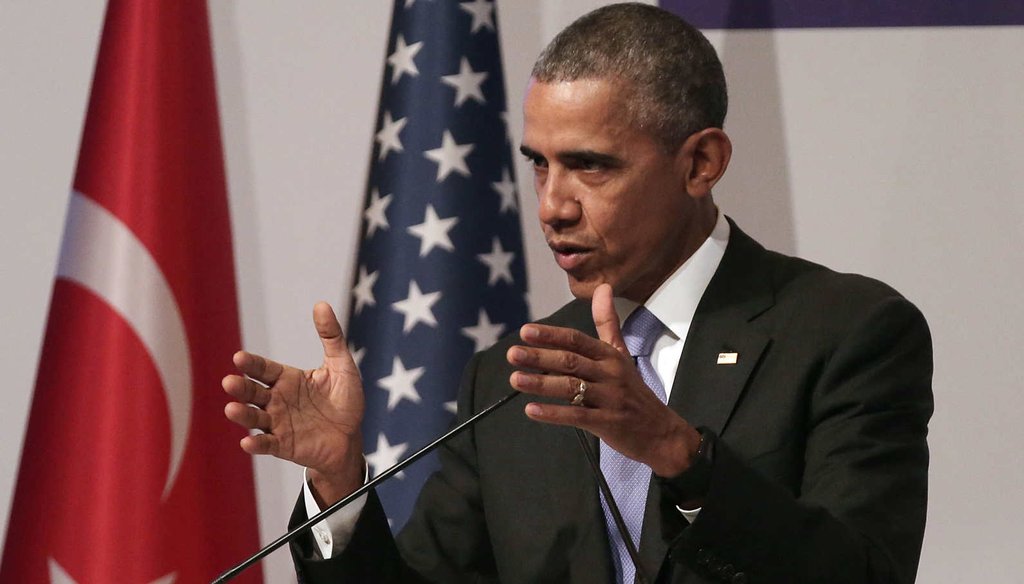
[{"x": 441, "y": 272}]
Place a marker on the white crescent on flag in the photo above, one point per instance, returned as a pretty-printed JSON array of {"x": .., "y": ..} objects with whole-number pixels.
[
  {"x": 102, "y": 254},
  {"x": 58, "y": 575}
]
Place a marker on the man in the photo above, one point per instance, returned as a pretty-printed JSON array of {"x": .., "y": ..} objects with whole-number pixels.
[{"x": 770, "y": 429}]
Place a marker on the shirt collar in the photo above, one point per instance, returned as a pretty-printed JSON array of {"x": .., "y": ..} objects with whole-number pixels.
[{"x": 675, "y": 301}]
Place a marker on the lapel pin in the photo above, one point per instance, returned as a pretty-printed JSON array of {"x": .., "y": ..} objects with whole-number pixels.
[{"x": 727, "y": 358}]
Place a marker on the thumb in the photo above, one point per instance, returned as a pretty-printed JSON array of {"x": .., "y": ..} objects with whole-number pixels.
[
  {"x": 606, "y": 320},
  {"x": 329, "y": 329}
]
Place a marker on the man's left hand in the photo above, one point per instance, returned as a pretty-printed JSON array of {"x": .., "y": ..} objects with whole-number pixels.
[{"x": 617, "y": 406}]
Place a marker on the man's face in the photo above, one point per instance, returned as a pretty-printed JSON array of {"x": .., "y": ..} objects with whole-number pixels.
[{"x": 612, "y": 202}]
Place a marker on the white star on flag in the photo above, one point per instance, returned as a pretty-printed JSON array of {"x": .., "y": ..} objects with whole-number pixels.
[
  {"x": 433, "y": 232},
  {"x": 451, "y": 406},
  {"x": 386, "y": 456},
  {"x": 363, "y": 290},
  {"x": 357, "y": 354},
  {"x": 507, "y": 189},
  {"x": 401, "y": 384},
  {"x": 450, "y": 156},
  {"x": 485, "y": 333},
  {"x": 499, "y": 262},
  {"x": 466, "y": 83},
  {"x": 402, "y": 59},
  {"x": 483, "y": 14},
  {"x": 417, "y": 307},
  {"x": 389, "y": 135},
  {"x": 375, "y": 213}
]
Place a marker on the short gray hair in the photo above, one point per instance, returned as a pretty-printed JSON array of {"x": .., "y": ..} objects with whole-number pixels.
[{"x": 677, "y": 82}]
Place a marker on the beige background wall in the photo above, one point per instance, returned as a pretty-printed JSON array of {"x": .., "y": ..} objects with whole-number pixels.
[{"x": 896, "y": 153}]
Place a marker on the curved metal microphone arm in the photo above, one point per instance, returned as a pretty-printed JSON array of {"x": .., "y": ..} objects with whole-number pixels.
[
  {"x": 235, "y": 571},
  {"x": 595, "y": 466},
  {"x": 641, "y": 575}
]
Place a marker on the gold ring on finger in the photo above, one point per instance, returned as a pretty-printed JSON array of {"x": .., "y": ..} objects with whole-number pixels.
[{"x": 581, "y": 394}]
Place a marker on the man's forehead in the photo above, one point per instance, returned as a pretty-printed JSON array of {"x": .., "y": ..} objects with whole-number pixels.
[
  {"x": 583, "y": 114},
  {"x": 569, "y": 103},
  {"x": 605, "y": 88}
]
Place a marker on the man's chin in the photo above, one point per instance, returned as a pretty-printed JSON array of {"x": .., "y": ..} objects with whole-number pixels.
[{"x": 582, "y": 289}]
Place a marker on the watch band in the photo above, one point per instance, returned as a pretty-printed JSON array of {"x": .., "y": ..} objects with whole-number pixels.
[{"x": 694, "y": 482}]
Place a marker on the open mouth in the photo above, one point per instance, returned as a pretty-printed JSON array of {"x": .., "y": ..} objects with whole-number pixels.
[{"x": 569, "y": 256}]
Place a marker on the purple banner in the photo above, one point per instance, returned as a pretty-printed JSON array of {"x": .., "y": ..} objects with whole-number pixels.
[{"x": 846, "y": 13}]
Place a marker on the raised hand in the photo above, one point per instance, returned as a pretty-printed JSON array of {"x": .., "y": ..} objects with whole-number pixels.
[
  {"x": 312, "y": 417},
  {"x": 618, "y": 407}
]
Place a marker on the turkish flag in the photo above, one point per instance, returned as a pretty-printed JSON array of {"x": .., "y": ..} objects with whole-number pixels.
[{"x": 130, "y": 473}]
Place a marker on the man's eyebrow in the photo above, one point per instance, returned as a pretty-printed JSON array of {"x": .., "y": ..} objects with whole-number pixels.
[
  {"x": 575, "y": 156},
  {"x": 590, "y": 156},
  {"x": 529, "y": 152}
]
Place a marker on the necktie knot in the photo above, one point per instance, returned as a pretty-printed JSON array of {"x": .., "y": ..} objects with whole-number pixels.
[{"x": 640, "y": 331}]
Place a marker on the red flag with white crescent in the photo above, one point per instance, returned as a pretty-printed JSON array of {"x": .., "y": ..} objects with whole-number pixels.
[{"x": 130, "y": 473}]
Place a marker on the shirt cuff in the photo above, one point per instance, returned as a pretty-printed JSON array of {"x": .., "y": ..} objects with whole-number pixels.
[
  {"x": 333, "y": 533},
  {"x": 689, "y": 514}
]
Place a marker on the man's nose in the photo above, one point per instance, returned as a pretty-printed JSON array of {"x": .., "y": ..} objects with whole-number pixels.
[{"x": 558, "y": 201}]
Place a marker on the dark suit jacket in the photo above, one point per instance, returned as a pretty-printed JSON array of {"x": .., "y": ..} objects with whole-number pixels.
[{"x": 820, "y": 469}]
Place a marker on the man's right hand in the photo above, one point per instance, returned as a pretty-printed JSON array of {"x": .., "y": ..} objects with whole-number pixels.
[{"x": 312, "y": 418}]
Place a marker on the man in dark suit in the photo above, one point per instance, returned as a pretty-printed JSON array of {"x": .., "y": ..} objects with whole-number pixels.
[{"x": 759, "y": 418}]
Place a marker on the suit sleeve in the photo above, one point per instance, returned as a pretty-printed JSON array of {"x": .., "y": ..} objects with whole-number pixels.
[
  {"x": 858, "y": 515},
  {"x": 445, "y": 539}
]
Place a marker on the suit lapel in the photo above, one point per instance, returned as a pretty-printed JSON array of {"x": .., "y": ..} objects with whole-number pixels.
[{"x": 705, "y": 392}]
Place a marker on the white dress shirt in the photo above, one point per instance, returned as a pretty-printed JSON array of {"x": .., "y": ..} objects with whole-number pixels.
[{"x": 674, "y": 303}]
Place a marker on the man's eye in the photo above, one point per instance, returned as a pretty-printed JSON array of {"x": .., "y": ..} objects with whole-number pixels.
[
  {"x": 589, "y": 165},
  {"x": 537, "y": 161}
]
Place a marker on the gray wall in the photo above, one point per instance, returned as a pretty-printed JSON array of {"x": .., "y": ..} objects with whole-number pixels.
[{"x": 895, "y": 153}]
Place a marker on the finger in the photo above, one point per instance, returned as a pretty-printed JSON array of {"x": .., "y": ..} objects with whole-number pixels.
[
  {"x": 261, "y": 444},
  {"x": 259, "y": 368},
  {"x": 555, "y": 386},
  {"x": 336, "y": 354},
  {"x": 247, "y": 417},
  {"x": 584, "y": 418},
  {"x": 329, "y": 329},
  {"x": 246, "y": 390},
  {"x": 555, "y": 337},
  {"x": 554, "y": 361},
  {"x": 606, "y": 320}
]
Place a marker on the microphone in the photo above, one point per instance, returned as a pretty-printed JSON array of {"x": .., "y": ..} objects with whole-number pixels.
[{"x": 641, "y": 576}]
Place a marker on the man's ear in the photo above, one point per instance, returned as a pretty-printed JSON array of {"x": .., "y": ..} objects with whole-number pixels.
[{"x": 705, "y": 156}]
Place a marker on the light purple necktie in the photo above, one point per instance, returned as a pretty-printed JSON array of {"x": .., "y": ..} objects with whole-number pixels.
[{"x": 628, "y": 479}]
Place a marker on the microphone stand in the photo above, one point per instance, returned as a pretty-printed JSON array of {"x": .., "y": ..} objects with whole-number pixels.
[
  {"x": 641, "y": 575},
  {"x": 620, "y": 524},
  {"x": 274, "y": 545}
]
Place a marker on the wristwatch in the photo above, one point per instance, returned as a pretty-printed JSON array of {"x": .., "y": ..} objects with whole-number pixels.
[{"x": 694, "y": 482}]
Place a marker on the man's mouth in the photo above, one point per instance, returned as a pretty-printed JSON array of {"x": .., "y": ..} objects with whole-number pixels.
[{"x": 569, "y": 256}]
